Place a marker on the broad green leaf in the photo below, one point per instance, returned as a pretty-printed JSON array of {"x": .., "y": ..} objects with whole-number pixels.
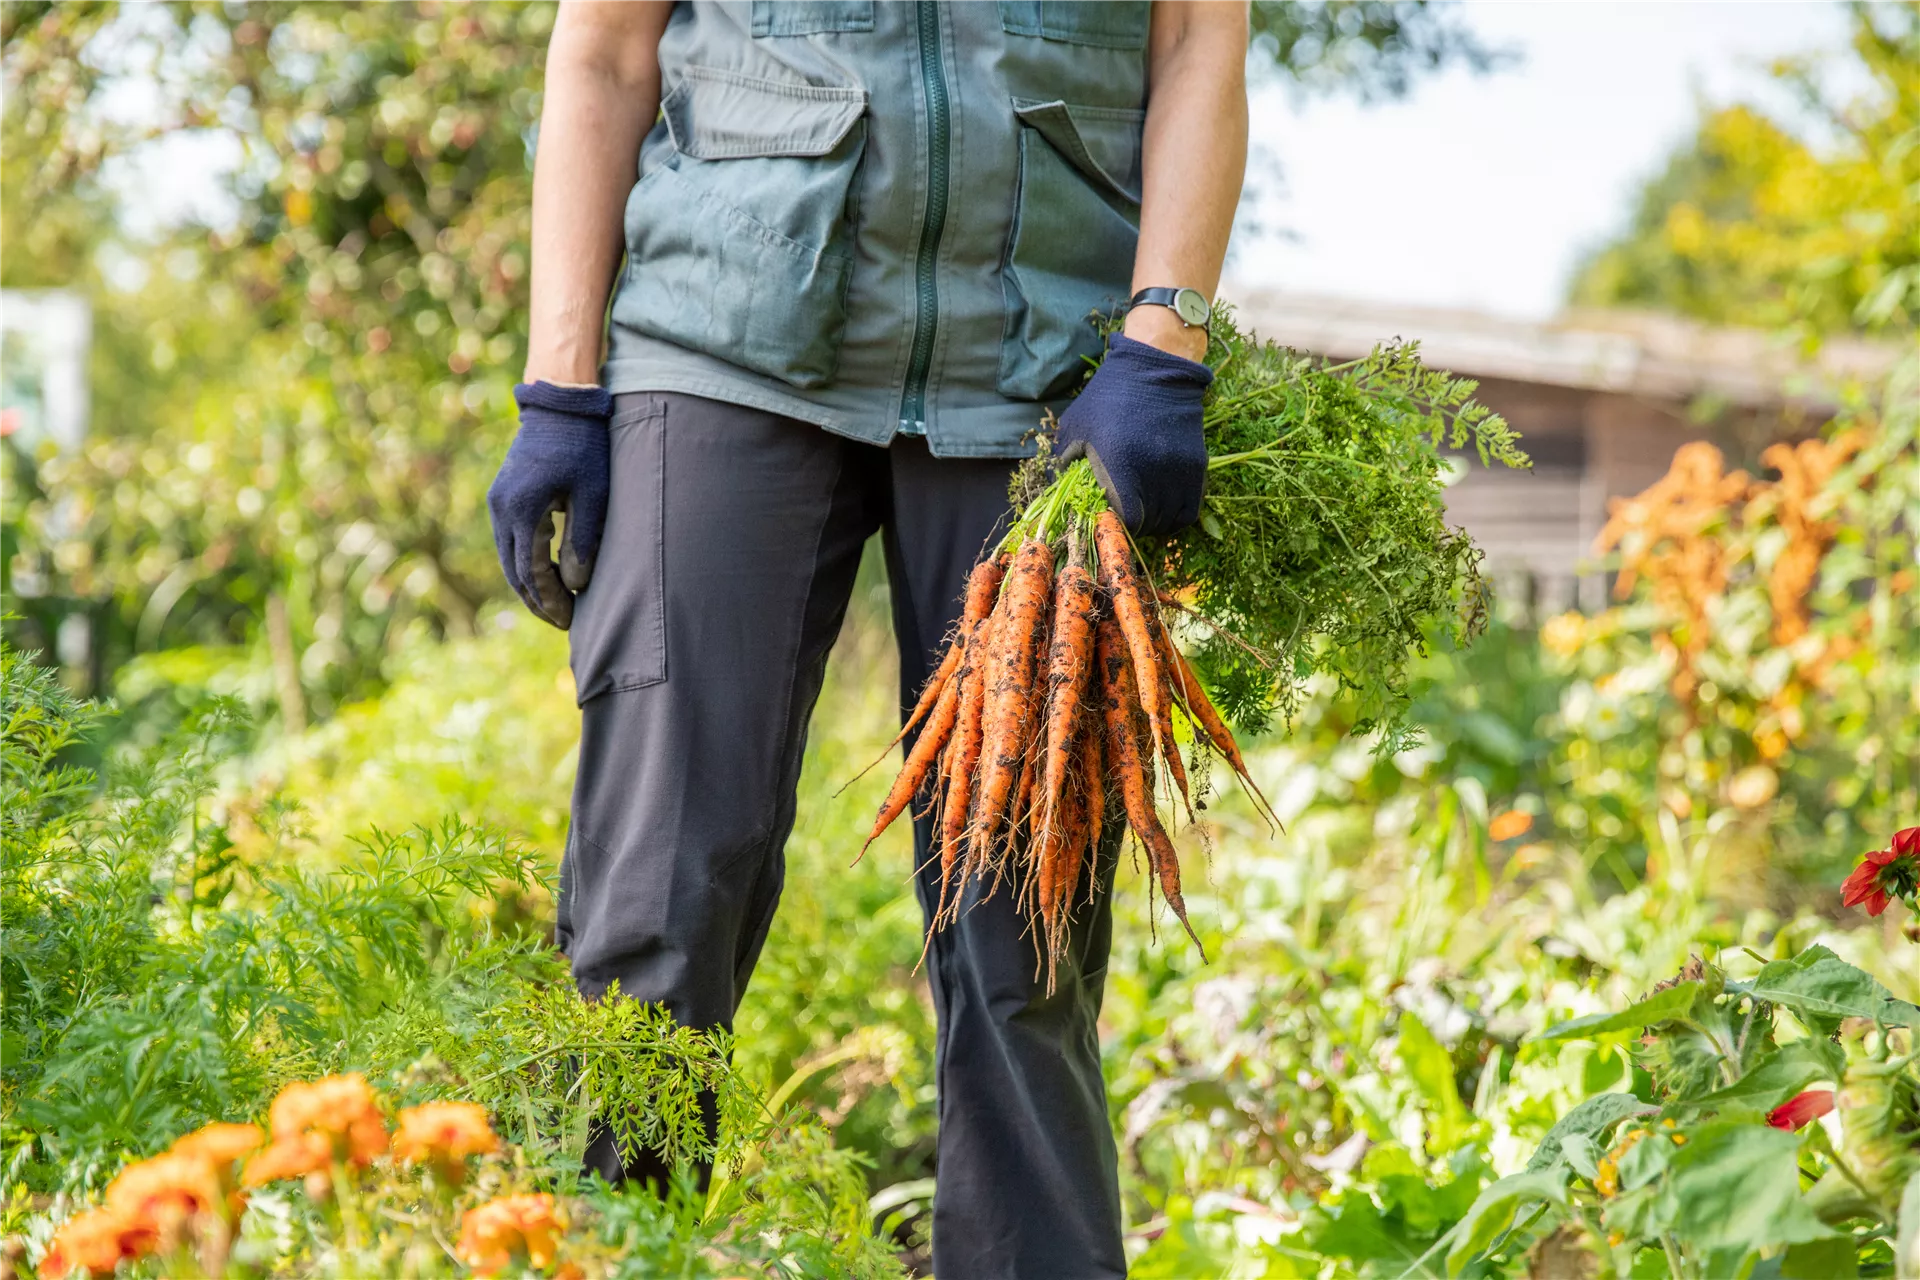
[
  {"x": 1825, "y": 989},
  {"x": 1831, "y": 1259},
  {"x": 1780, "y": 1075},
  {"x": 1181, "y": 1250},
  {"x": 1737, "y": 1186},
  {"x": 1906, "y": 1249},
  {"x": 1495, "y": 1210},
  {"x": 1582, "y": 1155},
  {"x": 1430, "y": 1067},
  {"x": 1661, "y": 1006},
  {"x": 1591, "y": 1120}
]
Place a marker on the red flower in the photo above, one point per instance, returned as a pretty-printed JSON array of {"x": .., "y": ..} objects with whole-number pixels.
[
  {"x": 1801, "y": 1108},
  {"x": 1885, "y": 874}
]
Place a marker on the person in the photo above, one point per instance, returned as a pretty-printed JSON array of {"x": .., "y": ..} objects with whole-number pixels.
[{"x": 865, "y": 254}]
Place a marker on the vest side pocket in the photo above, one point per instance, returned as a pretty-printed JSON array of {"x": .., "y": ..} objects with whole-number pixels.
[
  {"x": 739, "y": 232},
  {"x": 1070, "y": 254}
]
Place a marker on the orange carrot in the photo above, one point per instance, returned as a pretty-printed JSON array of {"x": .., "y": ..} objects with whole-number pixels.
[
  {"x": 963, "y": 755},
  {"x": 1066, "y": 847},
  {"x": 981, "y": 585},
  {"x": 1164, "y": 737},
  {"x": 1130, "y": 611},
  {"x": 1094, "y": 775},
  {"x": 926, "y": 748},
  {"x": 1208, "y": 719},
  {"x": 1130, "y": 770},
  {"x": 1069, "y": 664},
  {"x": 1011, "y": 660}
]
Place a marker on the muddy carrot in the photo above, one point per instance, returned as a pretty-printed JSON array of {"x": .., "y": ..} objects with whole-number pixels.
[
  {"x": 926, "y": 748},
  {"x": 1130, "y": 611},
  {"x": 1011, "y": 661},
  {"x": 1069, "y": 663},
  {"x": 1207, "y": 717},
  {"x": 1129, "y": 772},
  {"x": 982, "y": 583},
  {"x": 963, "y": 754}
]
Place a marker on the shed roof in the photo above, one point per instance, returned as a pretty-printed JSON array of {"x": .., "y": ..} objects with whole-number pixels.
[{"x": 1632, "y": 352}]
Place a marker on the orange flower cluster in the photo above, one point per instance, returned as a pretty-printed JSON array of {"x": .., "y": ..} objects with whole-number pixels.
[
  {"x": 1792, "y": 501},
  {"x": 1666, "y": 535},
  {"x": 332, "y": 1120},
  {"x": 495, "y": 1234},
  {"x": 442, "y": 1135},
  {"x": 158, "y": 1205}
]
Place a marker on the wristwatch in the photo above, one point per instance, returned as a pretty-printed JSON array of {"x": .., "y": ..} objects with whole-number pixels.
[{"x": 1189, "y": 304}]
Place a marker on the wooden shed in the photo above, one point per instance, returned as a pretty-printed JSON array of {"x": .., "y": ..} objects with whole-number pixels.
[{"x": 1602, "y": 399}]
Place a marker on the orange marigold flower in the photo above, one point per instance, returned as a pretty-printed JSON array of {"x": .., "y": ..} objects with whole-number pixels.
[
  {"x": 493, "y": 1234},
  {"x": 220, "y": 1144},
  {"x": 336, "y": 1119},
  {"x": 94, "y": 1243},
  {"x": 444, "y": 1134},
  {"x": 167, "y": 1193},
  {"x": 304, "y": 1154},
  {"x": 1510, "y": 824},
  {"x": 1885, "y": 874}
]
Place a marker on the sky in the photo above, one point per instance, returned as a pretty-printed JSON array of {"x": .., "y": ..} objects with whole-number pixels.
[{"x": 1481, "y": 191}]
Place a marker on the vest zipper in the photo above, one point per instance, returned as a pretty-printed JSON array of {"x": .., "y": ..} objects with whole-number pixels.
[{"x": 913, "y": 404}]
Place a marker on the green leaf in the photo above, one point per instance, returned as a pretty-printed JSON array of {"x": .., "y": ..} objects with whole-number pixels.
[
  {"x": 1661, "y": 1006},
  {"x": 1779, "y": 1076},
  {"x": 1590, "y": 1120},
  {"x": 1582, "y": 1155},
  {"x": 1822, "y": 989},
  {"x": 1430, "y": 1067},
  {"x": 1738, "y": 1186},
  {"x": 1906, "y": 1250},
  {"x": 1831, "y": 1259},
  {"x": 1495, "y": 1209}
]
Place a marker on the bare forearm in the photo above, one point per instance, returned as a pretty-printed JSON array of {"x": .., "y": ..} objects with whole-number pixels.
[
  {"x": 1194, "y": 159},
  {"x": 602, "y": 93}
]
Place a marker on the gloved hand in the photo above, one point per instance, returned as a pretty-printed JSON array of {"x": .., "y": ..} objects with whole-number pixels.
[
  {"x": 560, "y": 461},
  {"x": 1138, "y": 422}
]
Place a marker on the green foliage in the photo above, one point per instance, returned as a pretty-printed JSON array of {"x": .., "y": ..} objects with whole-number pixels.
[
  {"x": 1372, "y": 49},
  {"x": 156, "y": 980},
  {"x": 1807, "y": 222},
  {"x": 1702, "y": 1177},
  {"x": 1322, "y": 547}
]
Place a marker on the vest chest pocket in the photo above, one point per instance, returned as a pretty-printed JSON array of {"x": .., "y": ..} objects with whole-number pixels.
[
  {"x": 810, "y": 17},
  {"x": 1076, "y": 224},
  {"x": 739, "y": 231},
  {"x": 1108, "y": 24}
]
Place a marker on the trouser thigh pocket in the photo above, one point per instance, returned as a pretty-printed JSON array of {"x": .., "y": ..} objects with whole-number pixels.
[{"x": 619, "y": 638}]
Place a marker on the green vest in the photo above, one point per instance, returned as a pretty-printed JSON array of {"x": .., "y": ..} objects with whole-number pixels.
[{"x": 881, "y": 216}]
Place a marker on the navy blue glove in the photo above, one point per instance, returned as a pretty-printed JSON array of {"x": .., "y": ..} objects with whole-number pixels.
[
  {"x": 560, "y": 462},
  {"x": 1138, "y": 422}
]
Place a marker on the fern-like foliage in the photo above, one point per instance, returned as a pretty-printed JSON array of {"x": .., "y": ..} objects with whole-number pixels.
[
  {"x": 154, "y": 980},
  {"x": 1323, "y": 547}
]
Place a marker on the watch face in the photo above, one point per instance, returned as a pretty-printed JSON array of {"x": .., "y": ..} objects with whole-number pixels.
[{"x": 1191, "y": 307}]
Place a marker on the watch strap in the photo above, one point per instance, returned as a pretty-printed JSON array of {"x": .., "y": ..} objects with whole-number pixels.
[{"x": 1170, "y": 298}]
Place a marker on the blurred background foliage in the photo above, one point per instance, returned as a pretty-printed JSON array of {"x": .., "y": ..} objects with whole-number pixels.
[
  {"x": 299, "y": 394},
  {"x": 1810, "y": 222}
]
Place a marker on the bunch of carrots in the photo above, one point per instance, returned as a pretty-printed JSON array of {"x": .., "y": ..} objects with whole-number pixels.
[
  {"x": 1322, "y": 553},
  {"x": 1055, "y": 698}
]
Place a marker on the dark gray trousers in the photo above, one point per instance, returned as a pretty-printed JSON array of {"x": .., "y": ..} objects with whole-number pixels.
[{"x": 732, "y": 541}]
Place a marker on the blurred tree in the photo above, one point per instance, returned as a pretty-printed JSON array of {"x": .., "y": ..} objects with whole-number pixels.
[
  {"x": 299, "y": 400},
  {"x": 1371, "y": 48},
  {"x": 292, "y": 445},
  {"x": 1812, "y": 223}
]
